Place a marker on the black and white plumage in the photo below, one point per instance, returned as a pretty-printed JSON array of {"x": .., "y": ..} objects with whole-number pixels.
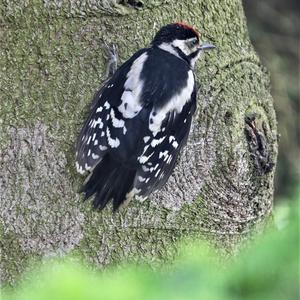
[{"x": 140, "y": 119}]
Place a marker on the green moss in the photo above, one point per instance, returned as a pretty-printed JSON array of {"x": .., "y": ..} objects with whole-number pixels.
[{"x": 13, "y": 259}]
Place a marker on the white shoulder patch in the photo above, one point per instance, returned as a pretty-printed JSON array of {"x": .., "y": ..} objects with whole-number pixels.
[
  {"x": 131, "y": 105},
  {"x": 176, "y": 104}
]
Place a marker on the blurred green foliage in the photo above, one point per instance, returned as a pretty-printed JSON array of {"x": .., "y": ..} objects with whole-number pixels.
[
  {"x": 267, "y": 269},
  {"x": 274, "y": 28}
]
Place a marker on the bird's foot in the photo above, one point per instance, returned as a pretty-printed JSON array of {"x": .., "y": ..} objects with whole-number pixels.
[{"x": 111, "y": 52}]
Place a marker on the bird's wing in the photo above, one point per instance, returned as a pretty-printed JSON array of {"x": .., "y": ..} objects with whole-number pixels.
[
  {"x": 159, "y": 156},
  {"x": 96, "y": 136}
]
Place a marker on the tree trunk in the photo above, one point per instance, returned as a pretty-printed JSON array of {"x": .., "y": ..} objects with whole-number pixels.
[{"x": 51, "y": 64}]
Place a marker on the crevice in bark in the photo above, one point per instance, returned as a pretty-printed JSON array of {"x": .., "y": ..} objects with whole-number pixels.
[{"x": 258, "y": 145}]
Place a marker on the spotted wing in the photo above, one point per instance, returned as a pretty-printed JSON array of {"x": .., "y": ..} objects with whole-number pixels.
[
  {"x": 160, "y": 154},
  {"x": 104, "y": 123}
]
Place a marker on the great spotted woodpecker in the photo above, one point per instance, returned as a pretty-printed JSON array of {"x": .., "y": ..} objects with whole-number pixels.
[{"x": 140, "y": 119}]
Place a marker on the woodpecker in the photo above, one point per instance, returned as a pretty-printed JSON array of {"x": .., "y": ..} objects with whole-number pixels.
[{"x": 140, "y": 119}]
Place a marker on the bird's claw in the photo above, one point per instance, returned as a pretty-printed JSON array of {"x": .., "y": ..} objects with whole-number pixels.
[{"x": 111, "y": 52}]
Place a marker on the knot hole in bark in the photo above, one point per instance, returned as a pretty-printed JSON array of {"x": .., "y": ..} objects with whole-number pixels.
[
  {"x": 133, "y": 3},
  {"x": 256, "y": 135},
  {"x": 228, "y": 118}
]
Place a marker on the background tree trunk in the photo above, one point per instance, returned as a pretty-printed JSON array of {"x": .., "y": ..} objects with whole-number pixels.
[{"x": 51, "y": 64}]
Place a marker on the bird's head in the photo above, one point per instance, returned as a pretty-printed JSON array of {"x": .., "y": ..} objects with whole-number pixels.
[{"x": 181, "y": 40}]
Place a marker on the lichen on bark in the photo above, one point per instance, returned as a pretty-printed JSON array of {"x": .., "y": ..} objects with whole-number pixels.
[{"x": 52, "y": 61}]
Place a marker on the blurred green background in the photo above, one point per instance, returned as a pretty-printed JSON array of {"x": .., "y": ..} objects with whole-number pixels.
[{"x": 274, "y": 29}]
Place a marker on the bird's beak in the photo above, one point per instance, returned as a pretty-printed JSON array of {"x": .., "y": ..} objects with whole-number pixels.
[{"x": 207, "y": 46}]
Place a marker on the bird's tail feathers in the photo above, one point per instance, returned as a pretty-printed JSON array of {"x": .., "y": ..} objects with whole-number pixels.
[{"x": 109, "y": 181}]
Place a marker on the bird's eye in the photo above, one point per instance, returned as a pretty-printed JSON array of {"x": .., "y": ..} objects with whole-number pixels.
[{"x": 193, "y": 43}]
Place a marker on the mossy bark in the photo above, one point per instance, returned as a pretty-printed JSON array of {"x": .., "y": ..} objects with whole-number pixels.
[{"x": 51, "y": 63}]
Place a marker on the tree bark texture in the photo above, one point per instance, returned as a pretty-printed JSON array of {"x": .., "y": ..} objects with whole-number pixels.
[{"x": 52, "y": 62}]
